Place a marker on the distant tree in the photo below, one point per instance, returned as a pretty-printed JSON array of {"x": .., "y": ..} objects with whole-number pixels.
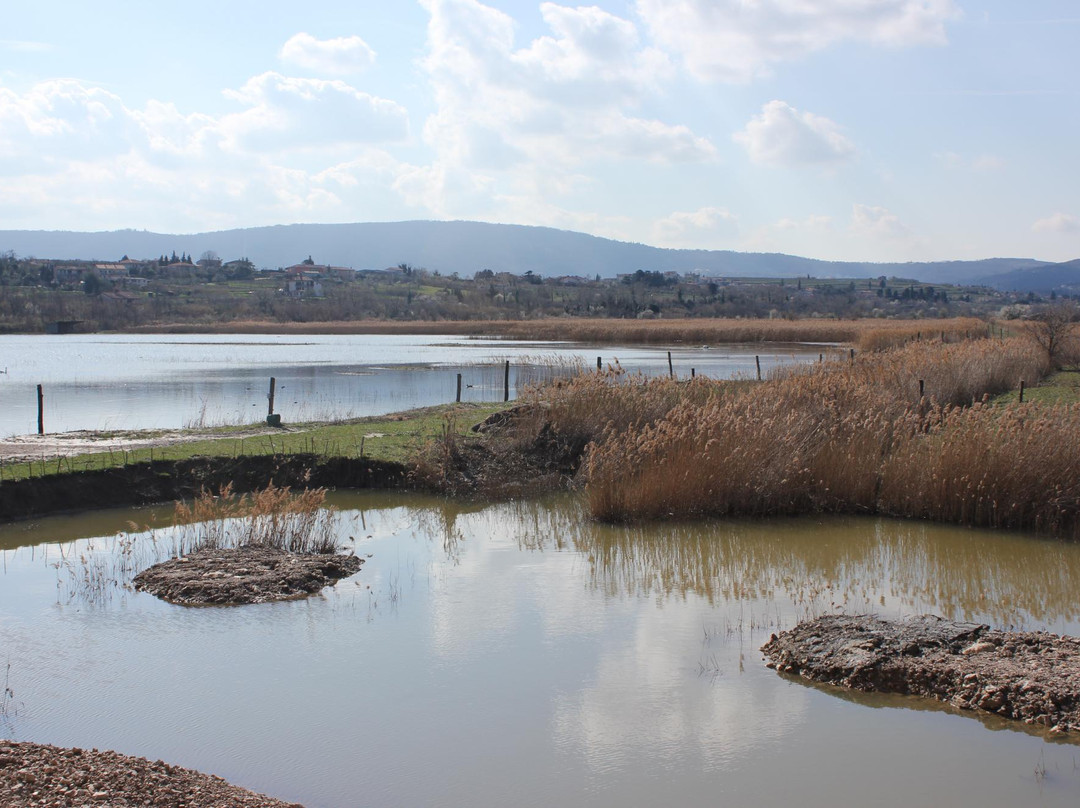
[
  {"x": 92, "y": 284},
  {"x": 1054, "y": 330}
]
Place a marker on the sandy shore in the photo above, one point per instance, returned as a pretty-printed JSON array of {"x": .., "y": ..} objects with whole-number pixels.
[{"x": 23, "y": 448}]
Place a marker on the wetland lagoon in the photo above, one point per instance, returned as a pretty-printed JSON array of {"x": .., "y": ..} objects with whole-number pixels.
[
  {"x": 519, "y": 653},
  {"x": 125, "y": 381}
]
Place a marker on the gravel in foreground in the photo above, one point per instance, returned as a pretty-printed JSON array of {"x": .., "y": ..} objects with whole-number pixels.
[{"x": 43, "y": 776}]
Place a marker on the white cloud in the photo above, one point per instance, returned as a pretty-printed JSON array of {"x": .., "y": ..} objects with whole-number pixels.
[
  {"x": 737, "y": 40},
  {"x": 978, "y": 163},
  {"x": 783, "y": 136},
  {"x": 300, "y": 149},
  {"x": 796, "y": 236},
  {"x": 556, "y": 106},
  {"x": 25, "y": 46},
  {"x": 1058, "y": 223},
  {"x": 286, "y": 112},
  {"x": 878, "y": 223},
  {"x": 336, "y": 57},
  {"x": 703, "y": 228}
]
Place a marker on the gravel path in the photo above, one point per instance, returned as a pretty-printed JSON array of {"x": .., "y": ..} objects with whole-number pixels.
[{"x": 52, "y": 777}]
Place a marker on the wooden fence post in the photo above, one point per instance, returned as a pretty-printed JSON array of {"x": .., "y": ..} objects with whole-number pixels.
[
  {"x": 506, "y": 381},
  {"x": 757, "y": 361},
  {"x": 273, "y": 383},
  {"x": 670, "y": 367},
  {"x": 1021, "y": 391},
  {"x": 458, "y": 388},
  {"x": 40, "y": 411}
]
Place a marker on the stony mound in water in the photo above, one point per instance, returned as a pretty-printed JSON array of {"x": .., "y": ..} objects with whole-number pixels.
[
  {"x": 34, "y": 774},
  {"x": 250, "y": 574},
  {"x": 1029, "y": 676}
]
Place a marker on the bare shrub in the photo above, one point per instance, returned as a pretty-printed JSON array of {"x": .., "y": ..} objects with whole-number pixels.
[{"x": 1054, "y": 330}]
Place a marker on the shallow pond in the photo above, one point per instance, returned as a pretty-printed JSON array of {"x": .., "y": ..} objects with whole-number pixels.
[
  {"x": 101, "y": 381},
  {"x": 517, "y": 654}
]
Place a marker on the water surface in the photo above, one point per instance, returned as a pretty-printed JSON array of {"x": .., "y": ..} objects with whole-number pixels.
[
  {"x": 518, "y": 654},
  {"x": 95, "y": 381}
]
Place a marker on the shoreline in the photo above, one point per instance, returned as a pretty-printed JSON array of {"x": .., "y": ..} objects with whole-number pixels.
[{"x": 34, "y": 774}]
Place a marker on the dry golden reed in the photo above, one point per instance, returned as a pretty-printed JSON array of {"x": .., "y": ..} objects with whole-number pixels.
[
  {"x": 272, "y": 517},
  {"x": 856, "y": 437},
  {"x": 868, "y": 334}
]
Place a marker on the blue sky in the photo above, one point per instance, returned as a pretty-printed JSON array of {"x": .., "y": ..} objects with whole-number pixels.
[{"x": 838, "y": 129}]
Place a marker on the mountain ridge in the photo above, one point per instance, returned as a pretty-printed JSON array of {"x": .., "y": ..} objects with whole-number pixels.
[{"x": 466, "y": 247}]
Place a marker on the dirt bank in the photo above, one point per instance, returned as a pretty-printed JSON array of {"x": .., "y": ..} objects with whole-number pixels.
[
  {"x": 1032, "y": 677},
  {"x": 250, "y": 574},
  {"x": 38, "y": 775},
  {"x": 166, "y": 480}
]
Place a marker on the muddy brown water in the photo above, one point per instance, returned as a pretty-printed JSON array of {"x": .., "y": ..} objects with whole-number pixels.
[{"x": 518, "y": 654}]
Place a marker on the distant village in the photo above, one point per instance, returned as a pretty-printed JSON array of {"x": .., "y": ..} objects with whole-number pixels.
[{"x": 50, "y": 294}]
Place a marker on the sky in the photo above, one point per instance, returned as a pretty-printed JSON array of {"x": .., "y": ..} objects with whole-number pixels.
[{"x": 873, "y": 130}]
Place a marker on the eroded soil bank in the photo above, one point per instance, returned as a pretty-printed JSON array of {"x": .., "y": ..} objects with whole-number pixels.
[
  {"x": 1032, "y": 677},
  {"x": 249, "y": 574},
  {"x": 39, "y": 775},
  {"x": 162, "y": 481}
]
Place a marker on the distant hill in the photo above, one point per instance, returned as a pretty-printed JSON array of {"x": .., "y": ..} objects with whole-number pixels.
[
  {"x": 1044, "y": 279},
  {"x": 466, "y": 247}
]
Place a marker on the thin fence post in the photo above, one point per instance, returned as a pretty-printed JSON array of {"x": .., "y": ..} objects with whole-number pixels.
[
  {"x": 1021, "y": 391},
  {"x": 757, "y": 361},
  {"x": 506, "y": 381},
  {"x": 670, "y": 367},
  {"x": 273, "y": 383},
  {"x": 458, "y": 388},
  {"x": 693, "y": 374},
  {"x": 40, "y": 411},
  {"x": 599, "y": 364},
  {"x": 921, "y": 383},
  {"x": 852, "y": 355}
]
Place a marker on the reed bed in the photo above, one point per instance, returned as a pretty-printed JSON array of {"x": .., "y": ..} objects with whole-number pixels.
[
  {"x": 273, "y": 517},
  {"x": 856, "y": 437},
  {"x": 868, "y": 334}
]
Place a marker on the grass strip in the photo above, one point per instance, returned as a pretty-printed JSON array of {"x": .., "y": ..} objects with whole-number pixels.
[{"x": 391, "y": 438}]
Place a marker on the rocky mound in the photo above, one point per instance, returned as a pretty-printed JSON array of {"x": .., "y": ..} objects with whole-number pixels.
[
  {"x": 37, "y": 775},
  {"x": 1029, "y": 676},
  {"x": 250, "y": 574}
]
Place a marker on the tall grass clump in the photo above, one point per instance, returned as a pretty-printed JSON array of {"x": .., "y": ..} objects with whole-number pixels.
[
  {"x": 818, "y": 439},
  {"x": 273, "y": 517},
  {"x": 1003, "y": 467},
  {"x": 538, "y": 445},
  {"x": 877, "y": 335}
]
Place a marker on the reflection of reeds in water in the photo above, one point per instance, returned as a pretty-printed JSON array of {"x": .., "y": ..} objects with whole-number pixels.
[
  {"x": 785, "y": 570},
  {"x": 91, "y": 571},
  {"x": 272, "y": 517}
]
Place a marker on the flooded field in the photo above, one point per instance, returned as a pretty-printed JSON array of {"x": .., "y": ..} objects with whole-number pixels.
[
  {"x": 168, "y": 382},
  {"x": 518, "y": 654}
]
